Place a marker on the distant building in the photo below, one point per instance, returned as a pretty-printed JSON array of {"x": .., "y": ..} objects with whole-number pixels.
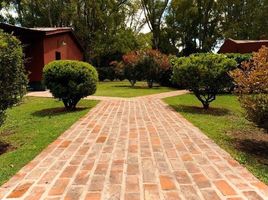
[
  {"x": 43, "y": 45},
  {"x": 242, "y": 46}
]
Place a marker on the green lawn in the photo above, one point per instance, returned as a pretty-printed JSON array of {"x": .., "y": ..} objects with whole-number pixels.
[
  {"x": 123, "y": 89},
  {"x": 226, "y": 125},
  {"x": 30, "y": 127}
]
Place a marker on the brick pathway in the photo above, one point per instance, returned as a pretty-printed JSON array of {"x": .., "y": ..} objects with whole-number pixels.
[{"x": 132, "y": 149}]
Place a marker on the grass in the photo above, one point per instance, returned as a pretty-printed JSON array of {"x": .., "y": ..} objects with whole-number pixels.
[
  {"x": 123, "y": 89},
  {"x": 225, "y": 123},
  {"x": 30, "y": 127}
]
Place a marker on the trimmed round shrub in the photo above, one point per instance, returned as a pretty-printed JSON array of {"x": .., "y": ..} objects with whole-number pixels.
[
  {"x": 203, "y": 74},
  {"x": 70, "y": 81},
  {"x": 13, "y": 79}
]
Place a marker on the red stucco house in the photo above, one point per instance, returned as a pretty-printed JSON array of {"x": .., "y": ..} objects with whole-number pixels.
[
  {"x": 43, "y": 45},
  {"x": 242, "y": 46}
]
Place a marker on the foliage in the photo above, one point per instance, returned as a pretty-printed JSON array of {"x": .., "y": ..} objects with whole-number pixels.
[
  {"x": 244, "y": 19},
  {"x": 146, "y": 65},
  {"x": 132, "y": 71},
  {"x": 239, "y": 58},
  {"x": 152, "y": 64},
  {"x": 13, "y": 79},
  {"x": 203, "y": 74},
  {"x": 106, "y": 73},
  {"x": 154, "y": 11},
  {"x": 70, "y": 81},
  {"x": 193, "y": 25},
  {"x": 179, "y": 27},
  {"x": 118, "y": 68},
  {"x": 196, "y": 26},
  {"x": 252, "y": 87}
]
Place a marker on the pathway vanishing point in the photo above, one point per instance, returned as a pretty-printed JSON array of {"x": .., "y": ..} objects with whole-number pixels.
[{"x": 131, "y": 149}]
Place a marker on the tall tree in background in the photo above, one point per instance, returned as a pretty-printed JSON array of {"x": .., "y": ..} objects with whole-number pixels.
[
  {"x": 110, "y": 28},
  {"x": 246, "y": 19},
  {"x": 192, "y": 25},
  {"x": 154, "y": 11}
]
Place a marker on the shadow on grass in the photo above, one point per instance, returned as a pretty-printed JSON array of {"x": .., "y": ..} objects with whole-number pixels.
[
  {"x": 5, "y": 147},
  {"x": 56, "y": 111},
  {"x": 200, "y": 110},
  {"x": 255, "y": 148},
  {"x": 136, "y": 87}
]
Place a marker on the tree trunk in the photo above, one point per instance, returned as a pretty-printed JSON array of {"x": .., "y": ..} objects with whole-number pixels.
[
  {"x": 150, "y": 83},
  {"x": 205, "y": 105},
  {"x": 132, "y": 82},
  {"x": 70, "y": 104}
]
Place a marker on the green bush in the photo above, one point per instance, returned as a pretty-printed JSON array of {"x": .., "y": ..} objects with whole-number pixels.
[
  {"x": 203, "y": 74},
  {"x": 145, "y": 65},
  {"x": 239, "y": 58},
  {"x": 152, "y": 64},
  {"x": 13, "y": 79},
  {"x": 131, "y": 68},
  {"x": 70, "y": 81}
]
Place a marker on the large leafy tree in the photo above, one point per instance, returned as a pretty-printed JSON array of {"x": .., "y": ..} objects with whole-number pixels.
[
  {"x": 246, "y": 19},
  {"x": 154, "y": 11},
  {"x": 192, "y": 25}
]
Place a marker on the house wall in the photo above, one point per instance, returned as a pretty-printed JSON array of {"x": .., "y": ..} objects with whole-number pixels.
[
  {"x": 228, "y": 47},
  {"x": 250, "y": 47},
  {"x": 232, "y": 47},
  {"x": 64, "y": 44},
  {"x": 34, "y": 59}
]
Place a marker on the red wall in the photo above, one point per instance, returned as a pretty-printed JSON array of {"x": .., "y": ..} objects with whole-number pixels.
[
  {"x": 34, "y": 59},
  {"x": 232, "y": 47},
  {"x": 69, "y": 50}
]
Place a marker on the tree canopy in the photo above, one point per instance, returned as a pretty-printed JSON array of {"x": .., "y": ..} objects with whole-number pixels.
[{"x": 109, "y": 29}]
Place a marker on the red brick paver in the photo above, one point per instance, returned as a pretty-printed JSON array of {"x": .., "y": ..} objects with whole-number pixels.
[{"x": 130, "y": 149}]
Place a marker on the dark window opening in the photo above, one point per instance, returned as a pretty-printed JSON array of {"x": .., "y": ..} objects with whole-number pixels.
[{"x": 58, "y": 55}]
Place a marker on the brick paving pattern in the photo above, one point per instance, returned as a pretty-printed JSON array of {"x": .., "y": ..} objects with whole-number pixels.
[{"x": 131, "y": 149}]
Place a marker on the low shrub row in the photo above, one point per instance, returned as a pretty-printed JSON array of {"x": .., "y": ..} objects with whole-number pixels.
[{"x": 149, "y": 65}]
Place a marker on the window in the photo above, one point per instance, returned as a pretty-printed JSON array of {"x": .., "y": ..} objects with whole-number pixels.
[{"x": 58, "y": 55}]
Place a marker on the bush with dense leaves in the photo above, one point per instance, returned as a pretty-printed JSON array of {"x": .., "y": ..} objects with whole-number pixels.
[
  {"x": 131, "y": 69},
  {"x": 203, "y": 74},
  {"x": 146, "y": 65},
  {"x": 152, "y": 64},
  {"x": 252, "y": 87},
  {"x": 70, "y": 81},
  {"x": 239, "y": 58},
  {"x": 13, "y": 79},
  {"x": 106, "y": 73}
]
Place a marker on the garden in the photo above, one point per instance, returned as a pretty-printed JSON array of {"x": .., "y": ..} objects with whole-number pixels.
[
  {"x": 226, "y": 118},
  {"x": 227, "y": 94}
]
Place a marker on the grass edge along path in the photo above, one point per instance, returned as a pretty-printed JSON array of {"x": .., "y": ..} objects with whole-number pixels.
[
  {"x": 123, "y": 89},
  {"x": 226, "y": 125},
  {"x": 31, "y": 126}
]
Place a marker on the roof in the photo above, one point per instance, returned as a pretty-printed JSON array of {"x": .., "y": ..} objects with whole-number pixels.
[
  {"x": 247, "y": 41},
  {"x": 41, "y": 31},
  {"x": 242, "y": 46}
]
